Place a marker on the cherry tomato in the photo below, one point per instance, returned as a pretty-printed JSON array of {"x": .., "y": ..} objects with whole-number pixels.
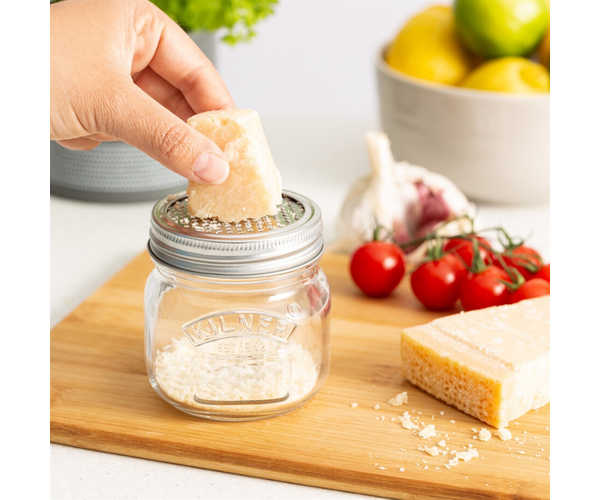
[
  {"x": 436, "y": 283},
  {"x": 464, "y": 249},
  {"x": 519, "y": 256},
  {"x": 535, "y": 287},
  {"x": 377, "y": 268},
  {"x": 484, "y": 289},
  {"x": 543, "y": 273}
]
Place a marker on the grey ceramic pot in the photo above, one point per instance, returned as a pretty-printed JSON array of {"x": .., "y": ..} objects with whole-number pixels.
[
  {"x": 115, "y": 171},
  {"x": 112, "y": 172}
]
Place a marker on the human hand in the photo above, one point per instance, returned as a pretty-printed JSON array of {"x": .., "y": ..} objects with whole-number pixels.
[{"x": 123, "y": 70}]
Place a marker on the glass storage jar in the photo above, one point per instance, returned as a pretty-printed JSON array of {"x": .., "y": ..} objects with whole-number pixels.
[{"x": 237, "y": 314}]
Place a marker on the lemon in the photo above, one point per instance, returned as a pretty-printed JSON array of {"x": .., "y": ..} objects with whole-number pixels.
[
  {"x": 499, "y": 28},
  {"x": 427, "y": 47},
  {"x": 509, "y": 74}
]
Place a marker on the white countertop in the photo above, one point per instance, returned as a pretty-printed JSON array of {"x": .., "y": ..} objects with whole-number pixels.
[{"x": 92, "y": 241}]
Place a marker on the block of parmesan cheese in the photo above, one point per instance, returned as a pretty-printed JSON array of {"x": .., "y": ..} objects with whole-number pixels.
[
  {"x": 253, "y": 187},
  {"x": 493, "y": 364}
]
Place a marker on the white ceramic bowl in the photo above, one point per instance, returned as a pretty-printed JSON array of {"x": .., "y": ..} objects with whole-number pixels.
[{"x": 494, "y": 146}]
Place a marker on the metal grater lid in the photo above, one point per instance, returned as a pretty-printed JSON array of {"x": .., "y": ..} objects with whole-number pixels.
[{"x": 286, "y": 241}]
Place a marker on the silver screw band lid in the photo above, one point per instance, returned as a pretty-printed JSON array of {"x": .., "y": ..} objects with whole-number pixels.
[{"x": 286, "y": 241}]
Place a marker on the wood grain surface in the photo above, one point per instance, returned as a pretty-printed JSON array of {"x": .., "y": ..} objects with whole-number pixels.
[{"x": 101, "y": 400}]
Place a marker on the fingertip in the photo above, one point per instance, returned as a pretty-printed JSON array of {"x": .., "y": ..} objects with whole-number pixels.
[{"x": 210, "y": 169}]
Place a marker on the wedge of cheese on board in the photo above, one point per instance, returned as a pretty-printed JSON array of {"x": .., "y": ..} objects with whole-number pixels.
[
  {"x": 253, "y": 187},
  {"x": 493, "y": 363}
]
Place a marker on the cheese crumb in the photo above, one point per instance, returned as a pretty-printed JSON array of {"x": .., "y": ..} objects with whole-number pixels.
[
  {"x": 462, "y": 455},
  {"x": 485, "y": 435},
  {"x": 407, "y": 423},
  {"x": 433, "y": 451},
  {"x": 504, "y": 434},
  {"x": 354, "y": 405},
  {"x": 376, "y": 407},
  {"x": 401, "y": 469},
  {"x": 442, "y": 413},
  {"x": 452, "y": 421},
  {"x": 399, "y": 399},
  {"x": 466, "y": 455},
  {"x": 521, "y": 452},
  {"x": 427, "y": 432},
  {"x": 442, "y": 443}
]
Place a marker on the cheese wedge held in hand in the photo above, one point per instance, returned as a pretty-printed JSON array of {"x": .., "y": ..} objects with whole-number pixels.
[
  {"x": 493, "y": 363},
  {"x": 253, "y": 187}
]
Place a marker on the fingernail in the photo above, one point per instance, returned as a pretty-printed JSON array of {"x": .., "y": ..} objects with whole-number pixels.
[{"x": 210, "y": 169}]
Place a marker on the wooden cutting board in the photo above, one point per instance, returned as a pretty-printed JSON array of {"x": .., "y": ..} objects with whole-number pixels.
[{"x": 101, "y": 400}]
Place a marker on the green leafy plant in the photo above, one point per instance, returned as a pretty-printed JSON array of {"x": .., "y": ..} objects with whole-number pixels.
[{"x": 238, "y": 17}]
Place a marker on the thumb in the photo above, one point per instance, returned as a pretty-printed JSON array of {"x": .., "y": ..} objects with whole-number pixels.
[{"x": 137, "y": 119}]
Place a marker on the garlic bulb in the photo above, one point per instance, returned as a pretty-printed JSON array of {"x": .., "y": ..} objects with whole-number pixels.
[{"x": 407, "y": 200}]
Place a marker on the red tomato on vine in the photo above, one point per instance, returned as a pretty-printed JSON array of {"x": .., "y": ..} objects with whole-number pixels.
[
  {"x": 377, "y": 268},
  {"x": 485, "y": 289},
  {"x": 535, "y": 287},
  {"x": 436, "y": 283},
  {"x": 524, "y": 259},
  {"x": 543, "y": 273}
]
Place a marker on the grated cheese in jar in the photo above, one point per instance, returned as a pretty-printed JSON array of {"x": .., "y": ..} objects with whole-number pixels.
[{"x": 218, "y": 380}]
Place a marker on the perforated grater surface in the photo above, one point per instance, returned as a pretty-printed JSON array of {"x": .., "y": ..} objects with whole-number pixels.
[
  {"x": 290, "y": 211},
  {"x": 251, "y": 247}
]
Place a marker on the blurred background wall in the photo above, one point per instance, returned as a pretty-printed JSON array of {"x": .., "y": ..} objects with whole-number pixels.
[{"x": 314, "y": 57}]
